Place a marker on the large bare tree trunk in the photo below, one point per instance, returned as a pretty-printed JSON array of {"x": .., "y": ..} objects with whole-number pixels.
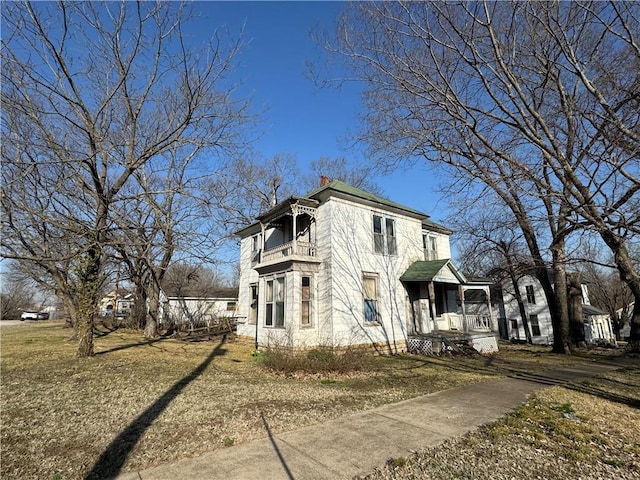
[
  {"x": 139, "y": 310},
  {"x": 560, "y": 312},
  {"x": 151, "y": 326},
  {"x": 631, "y": 276},
  {"x": 88, "y": 299},
  {"x": 519, "y": 300},
  {"x": 576, "y": 314},
  {"x": 634, "y": 343}
]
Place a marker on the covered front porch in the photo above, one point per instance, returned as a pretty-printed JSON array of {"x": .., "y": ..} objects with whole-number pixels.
[{"x": 442, "y": 299}]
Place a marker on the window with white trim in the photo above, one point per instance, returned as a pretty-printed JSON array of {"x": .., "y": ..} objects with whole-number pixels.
[
  {"x": 531, "y": 297},
  {"x": 256, "y": 246},
  {"x": 306, "y": 298},
  {"x": 430, "y": 246},
  {"x": 535, "y": 325},
  {"x": 256, "y": 242},
  {"x": 370, "y": 294},
  {"x": 384, "y": 235},
  {"x": 274, "y": 315}
]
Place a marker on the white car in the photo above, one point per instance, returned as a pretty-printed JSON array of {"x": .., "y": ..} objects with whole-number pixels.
[{"x": 31, "y": 315}]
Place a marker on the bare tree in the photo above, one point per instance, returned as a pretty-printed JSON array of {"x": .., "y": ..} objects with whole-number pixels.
[
  {"x": 247, "y": 187},
  {"x": 164, "y": 214},
  {"x": 91, "y": 94},
  {"x": 16, "y": 292},
  {"x": 608, "y": 292},
  {"x": 533, "y": 100},
  {"x": 195, "y": 280},
  {"x": 492, "y": 245},
  {"x": 338, "y": 168}
]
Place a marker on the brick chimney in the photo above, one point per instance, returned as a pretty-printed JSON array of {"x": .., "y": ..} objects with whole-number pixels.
[{"x": 324, "y": 180}]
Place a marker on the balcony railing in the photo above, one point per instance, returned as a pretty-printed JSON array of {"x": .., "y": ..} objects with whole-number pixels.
[{"x": 302, "y": 249}]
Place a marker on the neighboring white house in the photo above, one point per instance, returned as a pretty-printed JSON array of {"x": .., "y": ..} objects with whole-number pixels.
[
  {"x": 116, "y": 302},
  {"x": 341, "y": 266},
  {"x": 198, "y": 311},
  {"x": 597, "y": 323}
]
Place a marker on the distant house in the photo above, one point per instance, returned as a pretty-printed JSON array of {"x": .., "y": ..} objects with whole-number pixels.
[
  {"x": 341, "y": 266},
  {"x": 198, "y": 311},
  {"x": 117, "y": 303},
  {"x": 597, "y": 323}
]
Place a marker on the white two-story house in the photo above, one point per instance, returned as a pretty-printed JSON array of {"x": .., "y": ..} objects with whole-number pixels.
[
  {"x": 341, "y": 267},
  {"x": 534, "y": 305}
]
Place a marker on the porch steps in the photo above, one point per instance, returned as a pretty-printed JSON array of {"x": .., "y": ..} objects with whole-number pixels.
[{"x": 460, "y": 347}]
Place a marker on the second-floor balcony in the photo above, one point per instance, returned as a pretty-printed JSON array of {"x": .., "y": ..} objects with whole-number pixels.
[
  {"x": 289, "y": 249},
  {"x": 288, "y": 234}
]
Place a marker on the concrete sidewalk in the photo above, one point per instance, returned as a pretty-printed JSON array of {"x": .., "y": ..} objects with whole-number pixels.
[{"x": 357, "y": 444}]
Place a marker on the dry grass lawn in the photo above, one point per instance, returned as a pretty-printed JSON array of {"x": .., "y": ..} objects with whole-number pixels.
[
  {"x": 590, "y": 432},
  {"x": 137, "y": 404}
]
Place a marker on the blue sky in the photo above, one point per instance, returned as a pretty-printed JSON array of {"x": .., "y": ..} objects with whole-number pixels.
[{"x": 300, "y": 118}]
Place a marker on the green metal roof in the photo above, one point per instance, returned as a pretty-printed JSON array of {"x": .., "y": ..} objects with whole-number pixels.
[
  {"x": 435, "y": 226},
  {"x": 339, "y": 186},
  {"x": 423, "y": 271}
]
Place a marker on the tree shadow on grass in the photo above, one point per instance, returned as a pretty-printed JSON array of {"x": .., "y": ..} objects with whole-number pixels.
[
  {"x": 113, "y": 458},
  {"x": 131, "y": 345},
  {"x": 545, "y": 375}
]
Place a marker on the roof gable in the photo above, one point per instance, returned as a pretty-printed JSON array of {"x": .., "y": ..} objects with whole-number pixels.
[{"x": 438, "y": 270}]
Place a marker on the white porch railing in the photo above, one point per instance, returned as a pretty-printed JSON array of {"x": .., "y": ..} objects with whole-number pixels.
[
  {"x": 304, "y": 249},
  {"x": 479, "y": 323},
  {"x": 456, "y": 322},
  {"x": 476, "y": 323}
]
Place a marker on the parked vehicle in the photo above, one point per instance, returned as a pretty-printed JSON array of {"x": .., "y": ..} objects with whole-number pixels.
[{"x": 33, "y": 315}]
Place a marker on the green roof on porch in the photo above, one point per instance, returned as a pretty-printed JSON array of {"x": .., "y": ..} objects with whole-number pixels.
[{"x": 423, "y": 271}]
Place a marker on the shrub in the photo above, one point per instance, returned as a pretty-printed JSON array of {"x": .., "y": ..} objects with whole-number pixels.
[{"x": 316, "y": 361}]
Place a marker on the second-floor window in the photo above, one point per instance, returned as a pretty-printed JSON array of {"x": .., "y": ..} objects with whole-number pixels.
[
  {"x": 384, "y": 235},
  {"x": 256, "y": 246},
  {"x": 256, "y": 242},
  {"x": 531, "y": 297},
  {"x": 430, "y": 245}
]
